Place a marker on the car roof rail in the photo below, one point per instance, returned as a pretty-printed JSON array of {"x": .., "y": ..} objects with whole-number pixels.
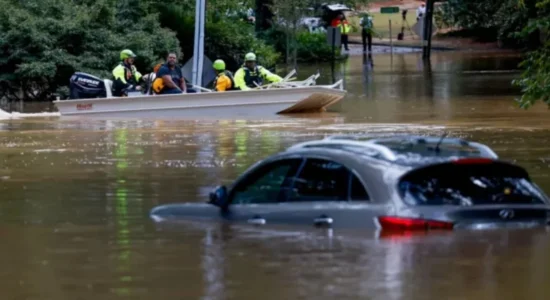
[{"x": 384, "y": 149}]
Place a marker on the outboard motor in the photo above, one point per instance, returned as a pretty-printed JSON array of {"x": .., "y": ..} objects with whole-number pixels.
[{"x": 85, "y": 86}]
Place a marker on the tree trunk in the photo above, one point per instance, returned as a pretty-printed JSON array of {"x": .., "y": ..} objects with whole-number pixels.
[
  {"x": 294, "y": 43},
  {"x": 264, "y": 16},
  {"x": 287, "y": 34}
]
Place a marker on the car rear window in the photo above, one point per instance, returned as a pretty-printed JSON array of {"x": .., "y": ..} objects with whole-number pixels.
[{"x": 469, "y": 184}]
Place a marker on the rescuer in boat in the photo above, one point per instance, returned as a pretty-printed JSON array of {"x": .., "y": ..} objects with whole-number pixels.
[
  {"x": 169, "y": 78},
  {"x": 250, "y": 73},
  {"x": 224, "y": 81},
  {"x": 126, "y": 76}
]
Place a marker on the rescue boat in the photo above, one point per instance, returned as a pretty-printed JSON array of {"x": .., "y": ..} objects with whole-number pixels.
[{"x": 92, "y": 96}]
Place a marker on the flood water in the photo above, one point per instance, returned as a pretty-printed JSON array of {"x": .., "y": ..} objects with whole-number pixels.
[{"x": 76, "y": 193}]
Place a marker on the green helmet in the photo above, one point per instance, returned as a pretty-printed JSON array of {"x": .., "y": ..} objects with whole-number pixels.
[
  {"x": 250, "y": 57},
  {"x": 124, "y": 54},
  {"x": 219, "y": 65}
]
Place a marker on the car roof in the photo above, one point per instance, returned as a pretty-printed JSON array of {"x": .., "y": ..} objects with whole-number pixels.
[
  {"x": 403, "y": 150},
  {"x": 336, "y": 7}
]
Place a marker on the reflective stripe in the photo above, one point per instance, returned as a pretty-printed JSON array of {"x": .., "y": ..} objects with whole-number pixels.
[{"x": 344, "y": 27}]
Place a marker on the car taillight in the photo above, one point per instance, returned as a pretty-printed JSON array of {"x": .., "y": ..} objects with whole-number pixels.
[
  {"x": 399, "y": 223},
  {"x": 472, "y": 161}
]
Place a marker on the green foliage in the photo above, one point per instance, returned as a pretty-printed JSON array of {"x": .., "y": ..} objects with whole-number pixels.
[
  {"x": 42, "y": 44},
  {"x": 471, "y": 14},
  {"x": 310, "y": 47},
  {"x": 535, "y": 79},
  {"x": 226, "y": 38},
  {"x": 288, "y": 36},
  {"x": 230, "y": 41},
  {"x": 314, "y": 47},
  {"x": 489, "y": 20}
]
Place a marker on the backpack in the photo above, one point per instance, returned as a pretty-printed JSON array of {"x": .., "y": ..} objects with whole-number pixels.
[{"x": 367, "y": 22}]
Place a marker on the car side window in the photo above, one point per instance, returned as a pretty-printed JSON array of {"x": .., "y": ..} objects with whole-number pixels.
[
  {"x": 324, "y": 180},
  {"x": 267, "y": 183},
  {"x": 357, "y": 190}
]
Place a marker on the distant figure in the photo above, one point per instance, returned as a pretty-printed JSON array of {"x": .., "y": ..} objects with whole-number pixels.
[
  {"x": 345, "y": 28},
  {"x": 366, "y": 31},
  {"x": 420, "y": 11}
]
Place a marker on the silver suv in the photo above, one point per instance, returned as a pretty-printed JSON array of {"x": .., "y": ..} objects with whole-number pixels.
[{"x": 396, "y": 183}]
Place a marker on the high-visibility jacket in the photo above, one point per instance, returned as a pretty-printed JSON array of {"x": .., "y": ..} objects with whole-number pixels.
[
  {"x": 124, "y": 77},
  {"x": 245, "y": 78},
  {"x": 344, "y": 26}
]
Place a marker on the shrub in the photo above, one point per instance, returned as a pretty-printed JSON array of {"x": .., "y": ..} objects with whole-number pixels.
[
  {"x": 228, "y": 39},
  {"x": 310, "y": 47},
  {"x": 534, "y": 81},
  {"x": 41, "y": 45},
  {"x": 490, "y": 20},
  {"x": 314, "y": 47}
]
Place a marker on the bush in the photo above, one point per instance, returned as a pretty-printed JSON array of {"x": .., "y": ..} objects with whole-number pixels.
[
  {"x": 230, "y": 41},
  {"x": 41, "y": 45},
  {"x": 314, "y": 47},
  {"x": 310, "y": 47},
  {"x": 534, "y": 81},
  {"x": 489, "y": 20},
  {"x": 225, "y": 38}
]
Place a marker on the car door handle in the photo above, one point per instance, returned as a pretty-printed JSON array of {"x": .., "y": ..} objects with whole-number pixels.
[
  {"x": 256, "y": 220},
  {"x": 323, "y": 221}
]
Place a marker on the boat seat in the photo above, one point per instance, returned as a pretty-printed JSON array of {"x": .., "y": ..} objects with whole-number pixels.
[{"x": 108, "y": 87}]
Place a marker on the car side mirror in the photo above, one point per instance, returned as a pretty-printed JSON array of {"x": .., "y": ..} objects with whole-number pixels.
[{"x": 218, "y": 197}]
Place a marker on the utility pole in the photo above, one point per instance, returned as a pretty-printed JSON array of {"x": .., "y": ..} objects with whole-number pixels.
[
  {"x": 427, "y": 30},
  {"x": 198, "y": 46}
]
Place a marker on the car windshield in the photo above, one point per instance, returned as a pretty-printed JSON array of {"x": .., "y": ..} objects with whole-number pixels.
[{"x": 466, "y": 185}]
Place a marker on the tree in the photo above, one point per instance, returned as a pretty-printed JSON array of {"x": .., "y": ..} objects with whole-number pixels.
[
  {"x": 264, "y": 14},
  {"x": 535, "y": 79},
  {"x": 43, "y": 43},
  {"x": 227, "y": 36},
  {"x": 298, "y": 42},
  {"x": 490, "y": 20}
]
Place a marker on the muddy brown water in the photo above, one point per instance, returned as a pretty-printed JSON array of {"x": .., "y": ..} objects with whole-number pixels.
[{"x": 76, "y": 193}]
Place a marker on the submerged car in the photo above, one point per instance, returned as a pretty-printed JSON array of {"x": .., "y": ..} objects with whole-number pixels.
[{"x": 395, "y": 183}]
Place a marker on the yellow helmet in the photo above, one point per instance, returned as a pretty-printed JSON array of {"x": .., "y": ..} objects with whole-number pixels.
[
  {"x": 219, "y": 65},
  {"x": 126, "y": 53},
  {"x": 250, "y": 57}
]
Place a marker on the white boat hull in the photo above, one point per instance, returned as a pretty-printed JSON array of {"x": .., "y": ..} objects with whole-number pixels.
[{"x": 255, "y": 103}]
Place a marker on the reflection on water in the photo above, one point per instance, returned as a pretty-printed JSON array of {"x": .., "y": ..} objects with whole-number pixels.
[{"x": 76, "y": 196}]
